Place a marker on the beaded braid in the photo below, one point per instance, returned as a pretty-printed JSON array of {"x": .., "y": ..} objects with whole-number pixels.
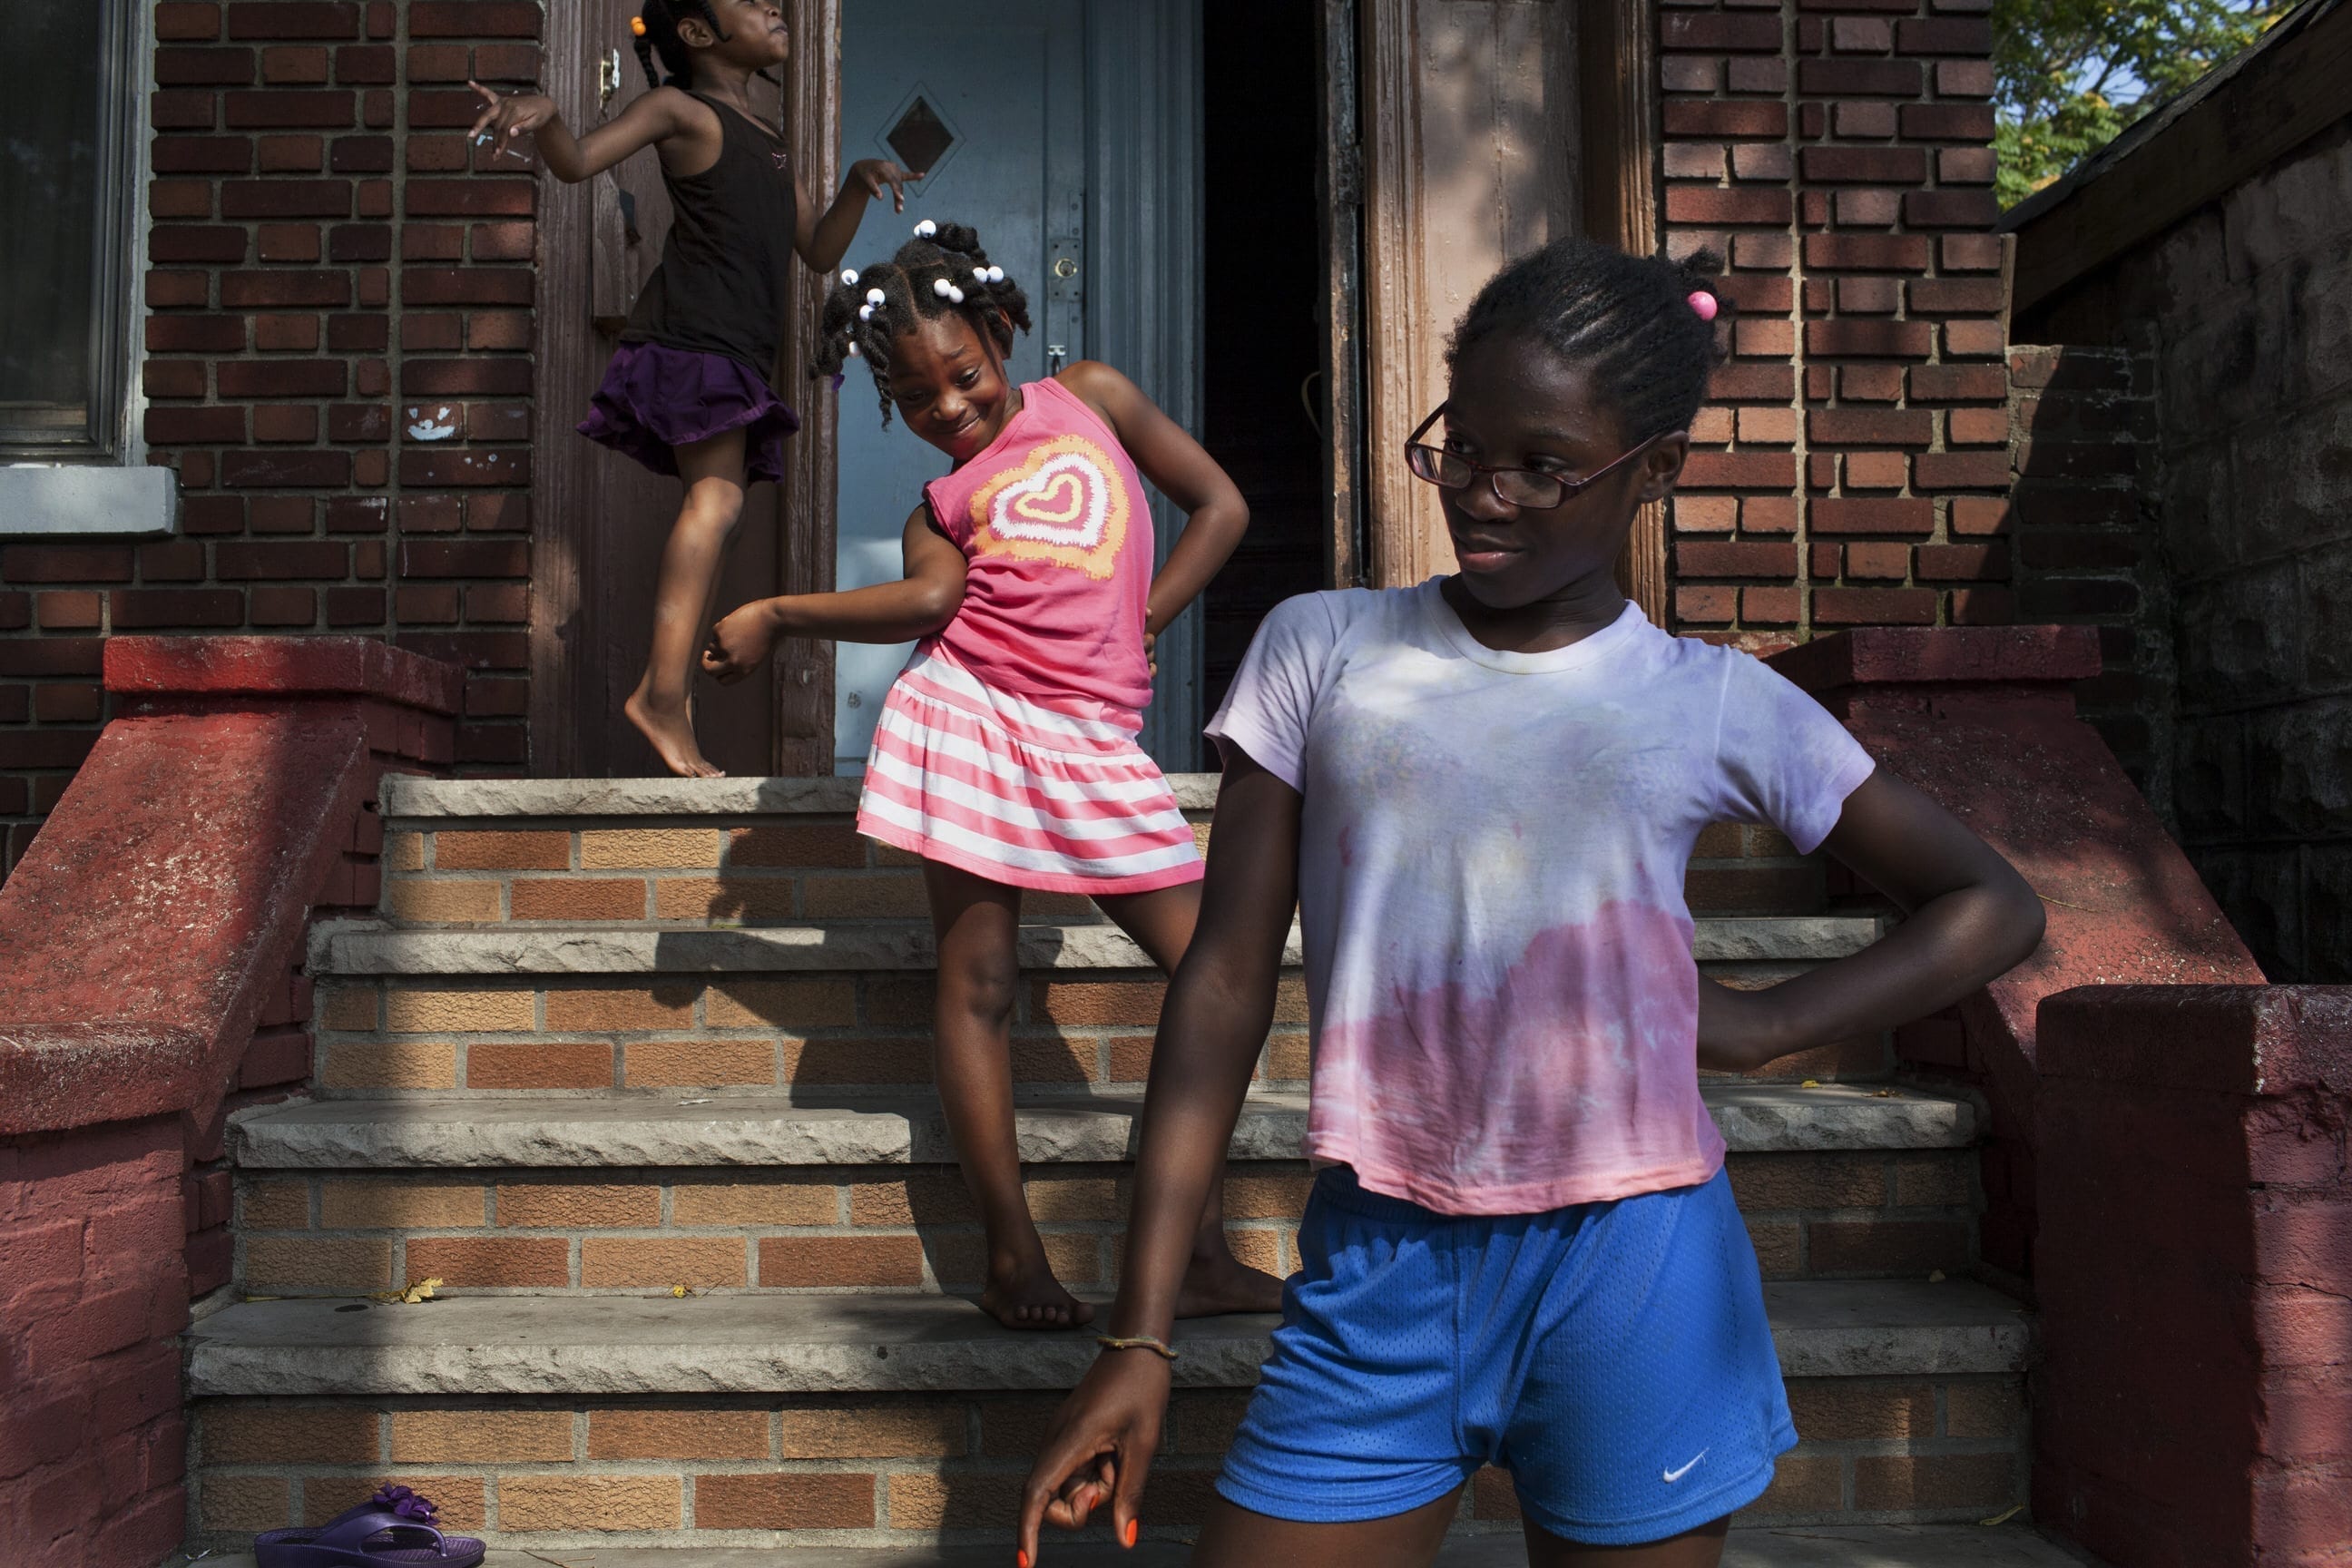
[
  {"x": 1641, "y": 326},
  {"x": 942, "y": 269},
  {"x": 657, "y": 28}
]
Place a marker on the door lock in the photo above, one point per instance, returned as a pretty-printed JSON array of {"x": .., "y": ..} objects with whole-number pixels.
[
  {"x": 1065, "y": 267},
  {"x": 608, "y": 76}
]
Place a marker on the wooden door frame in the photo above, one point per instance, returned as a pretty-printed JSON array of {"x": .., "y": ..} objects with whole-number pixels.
[
  {"x": 1378, "y": 340},
  {"x": 568, "y": 352},
  {"x": 810, "y": 491},
  {"x": 565, "y": 349},
  {"x": 1617, "y": 83}
]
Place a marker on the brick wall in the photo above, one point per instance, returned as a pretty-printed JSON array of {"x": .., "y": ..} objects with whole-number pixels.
[
  {"x": 2239, "y": 310},
  {"x": 1852, "y": 469},
  {"x": 330, "y": 264},
  {"x": 2083, "y": 527}
]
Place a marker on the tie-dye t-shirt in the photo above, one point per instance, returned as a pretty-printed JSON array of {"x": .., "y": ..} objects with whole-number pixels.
[{"x": 1500, "y": 975}]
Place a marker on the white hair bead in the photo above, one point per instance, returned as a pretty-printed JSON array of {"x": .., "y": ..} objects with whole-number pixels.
[
  {"x": 865, "y": 312},
  {"x": 849, "y": 277},
  {"x": 925, "y": 229},
  {"x": 996, "y": 275},
  {"x": 955, "y": 295},
  {"x": 979, "y": 274},
  {"x": 942, "y": 287},
  {"x": 854, "y": 353}
]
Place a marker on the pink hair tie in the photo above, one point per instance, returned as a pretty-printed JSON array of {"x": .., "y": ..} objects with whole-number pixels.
[{"x": 1703, "y": 303}]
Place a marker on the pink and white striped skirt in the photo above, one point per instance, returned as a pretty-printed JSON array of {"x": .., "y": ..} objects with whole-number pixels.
[{"x": 1047, "y": 794}]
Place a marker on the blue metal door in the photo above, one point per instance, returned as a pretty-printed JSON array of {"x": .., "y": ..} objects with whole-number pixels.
[{"x": 1000, "y": 90}]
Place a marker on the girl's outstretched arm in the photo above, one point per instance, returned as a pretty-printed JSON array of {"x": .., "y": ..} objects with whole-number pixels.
[
  {"x": 1214, "y": 1025},
  {"x": 824, "y": 239},
  {"x": 918, "y": 604},
  {"x": 1183, "y": 472},
  {"x": 651, "y": 117},
  {"x": 1970, "y": 917}
]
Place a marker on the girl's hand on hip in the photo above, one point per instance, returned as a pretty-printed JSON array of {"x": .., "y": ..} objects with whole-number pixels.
[
  {"x": 870, "y": 174},
  {"x": 504, "y": 117},
  {"x": 1152, "y": 653},
  {"x": 1099, "y": 1449},
  {"x": 1737, "y": 1030}
]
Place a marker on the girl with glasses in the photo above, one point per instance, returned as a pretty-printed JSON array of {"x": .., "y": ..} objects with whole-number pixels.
[{"x": 1521, "y": 1247}]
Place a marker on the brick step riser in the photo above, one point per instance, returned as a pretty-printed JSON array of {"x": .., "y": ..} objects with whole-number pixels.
[
  {"x": 834, "y": 1032},
  {"x": 603, "y": 874},
  {"x": 1865, "y": 1214},
  {"x": 884, "y": 1469}
]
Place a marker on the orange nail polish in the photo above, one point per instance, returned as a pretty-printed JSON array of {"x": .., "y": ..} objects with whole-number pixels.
[
  {"x": 1131, "y": 1526},
  {"x": 1021, "y": 1560}
]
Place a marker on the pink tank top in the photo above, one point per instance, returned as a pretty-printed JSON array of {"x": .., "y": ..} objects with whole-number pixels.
[{"x": 1053, "y": 518}]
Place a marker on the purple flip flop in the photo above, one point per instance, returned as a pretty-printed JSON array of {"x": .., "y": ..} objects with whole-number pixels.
[{"x": 393, "y": 1528}]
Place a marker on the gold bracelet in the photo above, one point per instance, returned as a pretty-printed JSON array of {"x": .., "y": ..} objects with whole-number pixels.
[{"x": 1136, "y": 1342}]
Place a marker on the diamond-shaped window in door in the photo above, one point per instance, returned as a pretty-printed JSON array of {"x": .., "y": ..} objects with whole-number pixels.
[{"x": 919, "y": 136}]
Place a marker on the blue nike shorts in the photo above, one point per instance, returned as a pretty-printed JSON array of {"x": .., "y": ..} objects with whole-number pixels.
[{"x": 1614, "y": 1357}]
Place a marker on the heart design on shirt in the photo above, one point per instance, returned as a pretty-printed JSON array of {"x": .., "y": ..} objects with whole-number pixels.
[
  {"x": 1062, "y": 505},
  {"x": 1060, "y": 502}
]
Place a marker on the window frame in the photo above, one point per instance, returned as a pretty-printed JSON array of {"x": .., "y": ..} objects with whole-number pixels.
[
  {"x": 98, "y": 481},
  {"x": 111, "y": 433}
]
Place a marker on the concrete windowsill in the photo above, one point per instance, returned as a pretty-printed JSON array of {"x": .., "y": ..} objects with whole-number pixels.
[{"x": 60, "y": 500}]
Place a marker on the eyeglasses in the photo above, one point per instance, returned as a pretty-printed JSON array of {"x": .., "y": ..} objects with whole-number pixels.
[{"x": 1534, "y": 489}]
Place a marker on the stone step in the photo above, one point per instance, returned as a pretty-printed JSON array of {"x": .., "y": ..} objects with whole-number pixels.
[
  {"x": 644, "y": 1131},
  {"x": 702, "y": 852},
  {"x": 424, "y": 804},
  {"x": 739, "y": 1344},
  {"x": 843, "y": 1007},
  {"x": 1813, "y": 1546},
  {"x": 624, "y": 1194},
  {"x": 743, "y": 1422},
  {"x": 1730, "y": 945}
]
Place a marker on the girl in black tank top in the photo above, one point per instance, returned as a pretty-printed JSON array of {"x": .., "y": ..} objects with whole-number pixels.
[{"x": 688, "y": 390}]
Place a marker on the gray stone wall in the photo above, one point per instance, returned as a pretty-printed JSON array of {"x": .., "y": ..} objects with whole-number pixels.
[{"x": 2246, "y": 310}]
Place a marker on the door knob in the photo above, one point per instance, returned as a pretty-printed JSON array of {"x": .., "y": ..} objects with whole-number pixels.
[{"x": 608, "y": 76}]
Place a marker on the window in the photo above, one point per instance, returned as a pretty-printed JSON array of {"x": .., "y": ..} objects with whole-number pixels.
[
  {"x": 71, "y": 172},
  {"x": 68, "y": 151}
]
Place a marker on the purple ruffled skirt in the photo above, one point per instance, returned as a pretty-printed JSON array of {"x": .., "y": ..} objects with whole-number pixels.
[{"x": 655, "y": 398}]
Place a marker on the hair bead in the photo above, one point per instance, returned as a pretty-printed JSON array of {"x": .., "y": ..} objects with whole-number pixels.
[
  {"x": 925, "y": 229},
  {"x": 637, "y": 26},
  {"x": 849, "y": 277},
  {"x": 874, "y": 296},
  {"x": 1703, "y": 303}
]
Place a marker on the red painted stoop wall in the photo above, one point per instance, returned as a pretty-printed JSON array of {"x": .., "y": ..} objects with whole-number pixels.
[
  {"x": 149, "y": 950},
  {"x": 2194, "y": 1409},
  {"x": 1982, "y": 719}
]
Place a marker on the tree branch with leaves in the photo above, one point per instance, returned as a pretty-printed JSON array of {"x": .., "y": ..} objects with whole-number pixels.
[{"x": 2071, "y": 75}]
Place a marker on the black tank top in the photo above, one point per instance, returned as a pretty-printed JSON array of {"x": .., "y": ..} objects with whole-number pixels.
[{"x": 720, "y": 286}]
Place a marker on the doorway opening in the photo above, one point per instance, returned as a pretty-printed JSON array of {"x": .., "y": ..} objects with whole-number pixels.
[{"x": 1263, "y": 348}]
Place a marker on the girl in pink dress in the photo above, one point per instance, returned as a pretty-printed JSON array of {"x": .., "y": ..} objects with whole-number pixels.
[{"x": 1005, "y": 755}]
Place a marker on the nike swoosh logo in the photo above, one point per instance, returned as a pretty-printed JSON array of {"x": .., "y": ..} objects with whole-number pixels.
[{"x": 1673, "y": 1476}]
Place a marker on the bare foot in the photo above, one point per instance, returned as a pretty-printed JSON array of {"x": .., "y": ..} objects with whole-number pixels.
[
  {"x": 672, "y": 734},
  {"x": 1218, "y": 1282},
  {"x": 1032, "y": 1298}
]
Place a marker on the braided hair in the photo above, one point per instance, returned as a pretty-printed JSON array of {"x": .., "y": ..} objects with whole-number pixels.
[
  {"x": 1628, "y": 321},
  {"x": 910, "y": 285},
  {"x": 659, "y": 31}
]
